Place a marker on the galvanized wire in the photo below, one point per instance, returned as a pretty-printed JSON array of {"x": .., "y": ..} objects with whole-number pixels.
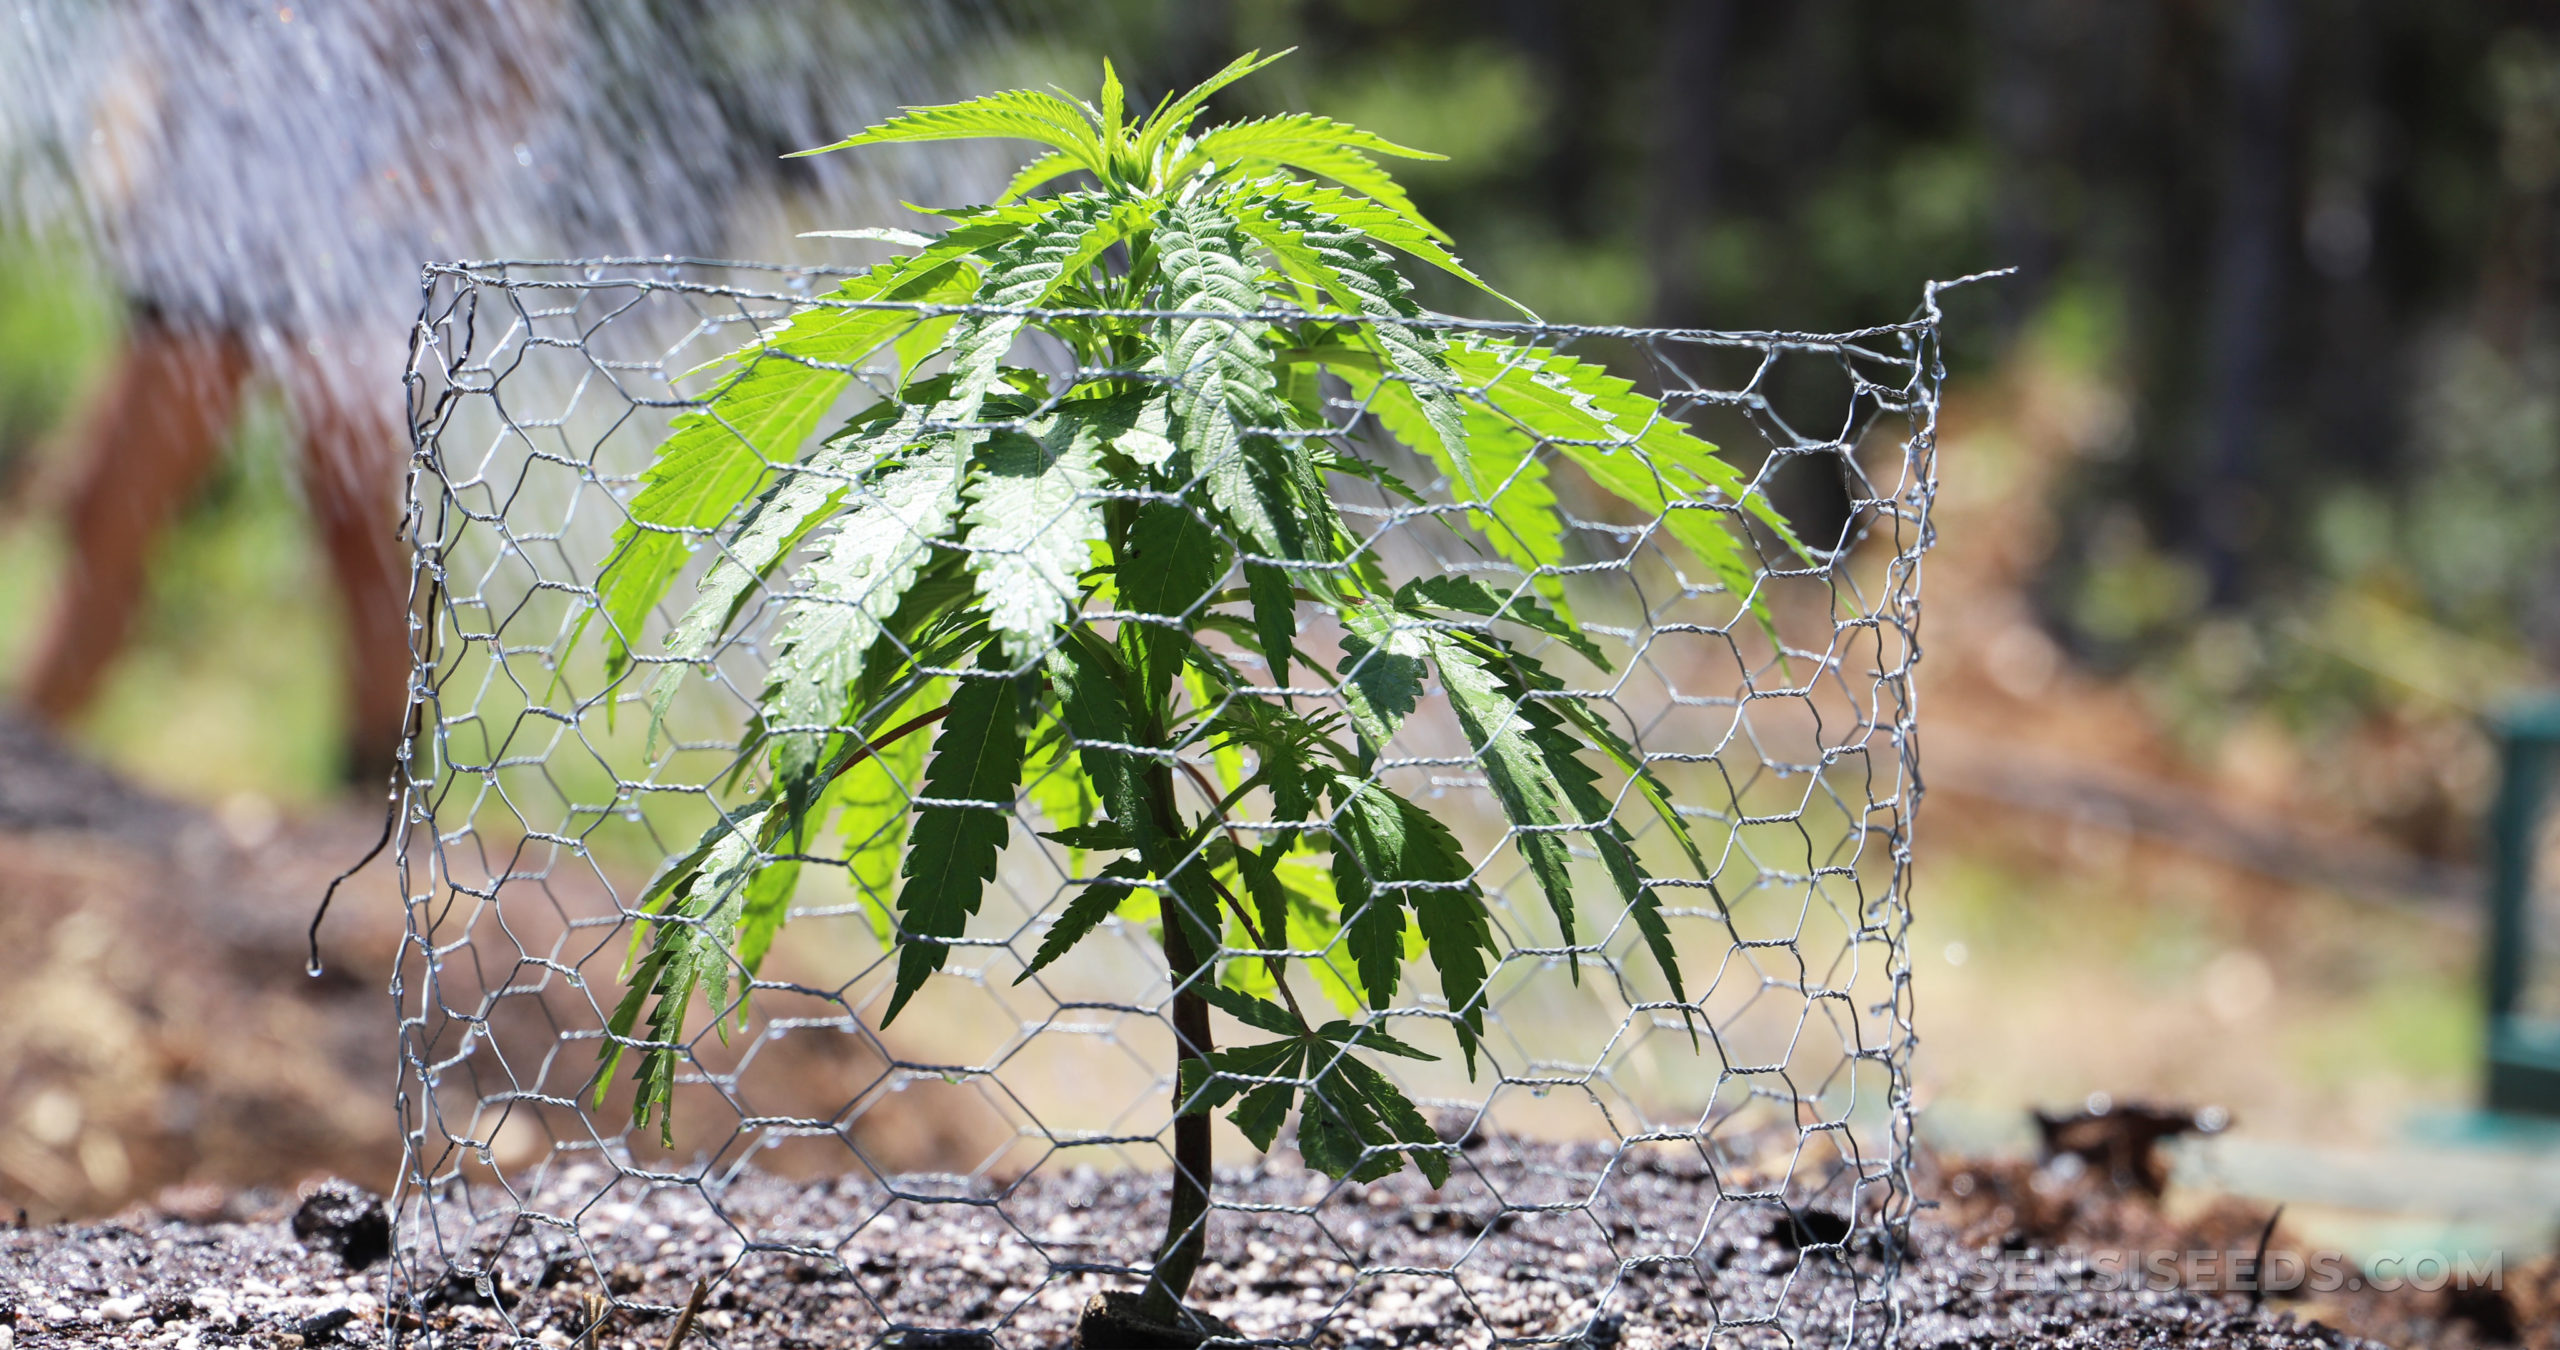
[{"x": 1643, "y": 1146}]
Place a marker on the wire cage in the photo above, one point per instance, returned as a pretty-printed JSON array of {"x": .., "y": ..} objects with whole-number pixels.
[{"x": 1626, "y": 1166}]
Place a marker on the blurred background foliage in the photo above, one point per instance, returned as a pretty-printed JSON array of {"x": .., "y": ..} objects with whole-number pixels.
[
  {"x": 2306, "y": 244},
  {"x": 2302, "y": 245}
]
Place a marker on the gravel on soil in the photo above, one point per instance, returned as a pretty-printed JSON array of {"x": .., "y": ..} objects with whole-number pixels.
[{"x": 1392, "y": 1264}]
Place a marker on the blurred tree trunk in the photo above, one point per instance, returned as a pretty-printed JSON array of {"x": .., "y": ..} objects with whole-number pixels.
[
  {"x": 2248, "y": 286},
  {"x": 1694, "y": 38},
  {"x": 1569, "y": 166}
]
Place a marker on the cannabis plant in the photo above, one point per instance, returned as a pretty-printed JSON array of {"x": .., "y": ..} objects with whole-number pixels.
[{"x": 1090, "y": 588}]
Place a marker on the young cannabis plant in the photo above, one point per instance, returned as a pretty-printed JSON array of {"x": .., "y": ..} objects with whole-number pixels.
[{"x": 1090, "y": 588}]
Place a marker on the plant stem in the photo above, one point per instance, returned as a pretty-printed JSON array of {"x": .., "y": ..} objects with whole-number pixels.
[{"x": 1186, "y": 1230}]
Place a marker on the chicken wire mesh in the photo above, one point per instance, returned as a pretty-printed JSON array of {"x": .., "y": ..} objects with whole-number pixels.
[{"x": 1626, "y": 1167}]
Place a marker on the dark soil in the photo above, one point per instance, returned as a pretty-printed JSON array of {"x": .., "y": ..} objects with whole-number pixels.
[{"x": 1394, "y": 1264}]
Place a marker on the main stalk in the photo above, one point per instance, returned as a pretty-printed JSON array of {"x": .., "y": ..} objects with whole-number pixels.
[{"x": 1186, "y": 1231}]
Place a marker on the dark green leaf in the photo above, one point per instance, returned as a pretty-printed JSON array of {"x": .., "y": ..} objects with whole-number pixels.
[
  {"x": 1382, "y": 671},
  {"x": 1270, "y": 898},
  {"x": 1523, "y": 781},
  {"x": 1404, "y": 1124},
  {"x": 1100, "y": 835},
  {"x": 1467, "y": 595},
  {"x": 1551, "y": 724},
  {"x": 1382, "y": 838},
  {"x": 1275, "y": 616},
  {"x": 1253, "y": 1012},
  {"x": 976, "y": 765},
  {"x": 1171, "y": 565},
  {"x": 1370, "y": 1036},
  {"x": 1264, "y": 1109},
  {"x": 1085, "y": 913}
]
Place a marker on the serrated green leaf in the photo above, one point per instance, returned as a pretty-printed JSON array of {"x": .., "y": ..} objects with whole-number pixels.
[
  {"x": 1396, "y": 1112},
  {"x": 1225, "y": 397},
  {"x": 1271, "y": 138},
  {"x": 764, "y": 908},
  {"x": 969, "y": 785},
  {"x": 1597, "y": 732},
  {"x": 1466, "y": 595},
  {"x": 716, "y": 457},
  {"x": 1046, "y": 169},
  {"x": 1266, "y": 1107},
  {"x": 1369, "y": 849},
  {"x": 1389, "y": 851},
  {"x": 1023, "y": 272},
  {"x": 1169, "y": 569},
  {"x": 687, "y": 951},
  {"x": 1552, "y": 725},
  {"x": 1629, "y": 447},
  {"x": 874, "y": 802},
  {"x": 1056, "y": 783},
  {"x": 1369, "y": 1036},
  {"x": 1017, "y": 114},
  {"x": 1085, "y": 913},
  {"x": 781, "y": 520},
  {"x": 1275, "y": 616},
  {"x": 1114, "y": 117},
  {"x": 1032, "y": 522},
  {"x": 848, "y": 591},
  {"x": 1363, "y": 280},
  {"x": 1521, "y": 517},
  {"x": 1095, "y": 708},
  {"x": 1355, "y": 170},
  {"x": 1259, "y": 1013},
  {"x": 1100, "y": 835},
  {"x": 1459, "y": 937},
  {"x": 1270, "y": 899},
  {"x": 1204, "y": 1085},
  {"x": 1381, "y": 223},
  {"x": 1381, "y": 672},
  {"x": 1173, "y": 117},
  {"x": 1339, "y": 1129},
  {"x": 1522, "y": 779},
  {"x": 1328, "y": 1143}
]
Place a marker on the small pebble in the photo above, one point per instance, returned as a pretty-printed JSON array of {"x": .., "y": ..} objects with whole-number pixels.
[{"x": 123, "y": 1309}]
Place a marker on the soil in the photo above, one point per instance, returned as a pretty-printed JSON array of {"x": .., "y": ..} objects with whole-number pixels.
[
  {"x": 841, "y": 1263},
  {"x": 160, "y": 1030},
  {"x": 160, "y": 1041}
]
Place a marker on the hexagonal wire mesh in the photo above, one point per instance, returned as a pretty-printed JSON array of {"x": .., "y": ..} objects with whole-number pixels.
[{"x": 1626, "y": 1166}]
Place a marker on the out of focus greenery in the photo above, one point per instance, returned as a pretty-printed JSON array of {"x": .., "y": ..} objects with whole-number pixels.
[{"x": 2307, "y": 244}]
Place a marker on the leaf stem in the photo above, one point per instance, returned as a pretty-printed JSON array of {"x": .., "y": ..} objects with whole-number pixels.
[{"x": 871, "y": 747}]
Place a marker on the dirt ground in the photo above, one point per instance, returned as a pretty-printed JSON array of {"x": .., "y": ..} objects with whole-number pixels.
[
  {"x": 161, "y": 1032},
  {"x": 158, "y": 1035},
  {"x": 1394, "y": 1264}
]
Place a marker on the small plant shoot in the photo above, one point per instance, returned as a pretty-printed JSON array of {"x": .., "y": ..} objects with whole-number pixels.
[{"x": 1006, "y": 592}]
